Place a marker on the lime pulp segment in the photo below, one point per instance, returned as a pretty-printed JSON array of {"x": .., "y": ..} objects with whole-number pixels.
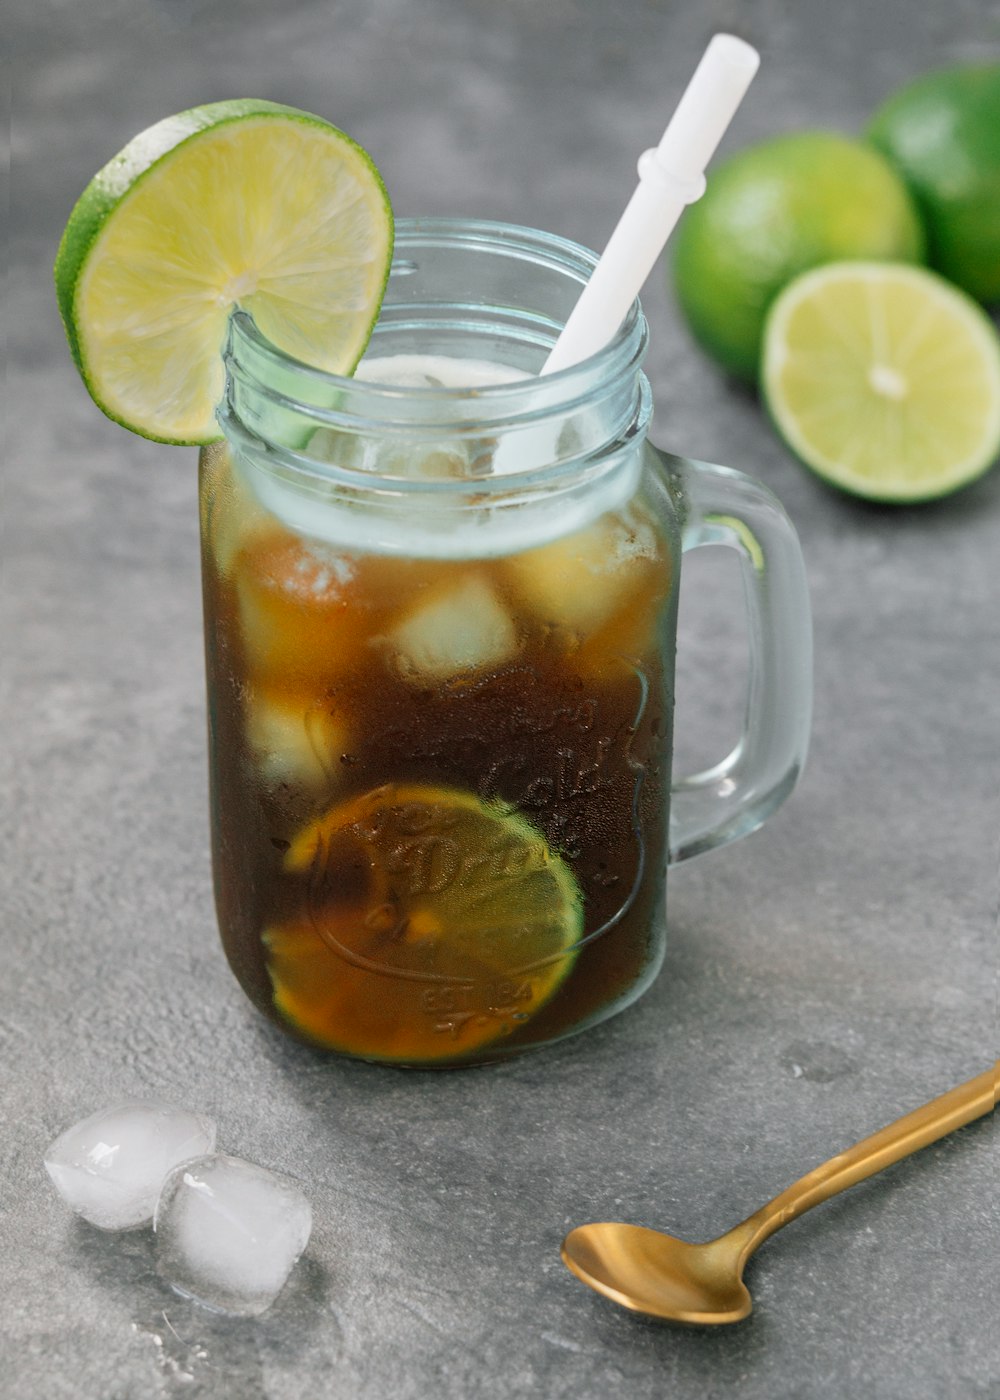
[{"x": 885, "y": 379}]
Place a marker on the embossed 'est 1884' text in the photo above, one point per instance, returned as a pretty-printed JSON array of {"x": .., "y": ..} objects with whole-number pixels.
[{"x": 501, "y": 998}]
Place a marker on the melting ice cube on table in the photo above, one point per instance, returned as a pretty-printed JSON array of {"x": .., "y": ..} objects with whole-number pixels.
[
  {"x": 109, "y": 1168},
  {"x": 228, "y": 1233}
]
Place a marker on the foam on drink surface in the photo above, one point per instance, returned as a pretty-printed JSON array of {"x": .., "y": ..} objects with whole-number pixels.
[{"x": 425, "y": 524}]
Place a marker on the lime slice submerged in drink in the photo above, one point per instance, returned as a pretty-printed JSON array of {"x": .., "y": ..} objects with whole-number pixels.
[
  {"x": 884, "y": 379},
  {"x": 433, "y": 924},
  {"x": 241, "y": 203}
]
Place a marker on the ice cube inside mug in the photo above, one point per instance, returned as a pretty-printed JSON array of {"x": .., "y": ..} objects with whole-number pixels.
[
  {"x": 229, "y": 1232},
  {"x": 294, "y": 742},
  {"x": 109, "y": 1167},
  {"x": 465, "y": 628}
]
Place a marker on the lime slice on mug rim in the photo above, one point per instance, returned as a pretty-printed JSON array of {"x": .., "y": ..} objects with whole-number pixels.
[
  {"x": 240, "y": 203},
  {"x": 884, "y": 379}
]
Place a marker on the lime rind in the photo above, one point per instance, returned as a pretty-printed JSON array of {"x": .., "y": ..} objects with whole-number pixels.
[
  {"x": 118, "y": 191},
  {"x": 817, "y": 380}
]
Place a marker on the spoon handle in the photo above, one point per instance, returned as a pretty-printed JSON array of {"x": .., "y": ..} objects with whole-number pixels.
[{"x": 891, "y": 1144}]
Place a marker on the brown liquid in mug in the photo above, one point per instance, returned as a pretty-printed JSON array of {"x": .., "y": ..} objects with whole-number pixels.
[{"x": 439, "y": 787}]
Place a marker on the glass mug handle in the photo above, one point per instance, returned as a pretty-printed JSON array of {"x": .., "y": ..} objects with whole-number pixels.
[{"x": 736, "y": 796}]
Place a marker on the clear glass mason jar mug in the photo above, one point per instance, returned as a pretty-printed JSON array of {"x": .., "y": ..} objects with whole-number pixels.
[{"x": 440, "y": 610}]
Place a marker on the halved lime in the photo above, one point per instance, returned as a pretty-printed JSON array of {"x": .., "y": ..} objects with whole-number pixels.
[
  {"x": 773, "y": 211},
  {"x": 242, "y": 203},
  {"x": 884, "y": 379},
  {"x": 434, "y": 922}
]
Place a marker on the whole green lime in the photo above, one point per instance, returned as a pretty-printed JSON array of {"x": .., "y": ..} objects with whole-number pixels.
[
  {"x": 773, "y": 211},
  {"x": 942, "y": 133}
]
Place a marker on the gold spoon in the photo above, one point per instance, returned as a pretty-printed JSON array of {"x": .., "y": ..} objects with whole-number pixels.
[{"x": 664, "y": 1277}]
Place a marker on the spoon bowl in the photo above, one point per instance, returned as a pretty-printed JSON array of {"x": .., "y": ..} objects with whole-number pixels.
[
  {"x": 659, "y": 1275},
  {"x": 654, "y": 1273}
]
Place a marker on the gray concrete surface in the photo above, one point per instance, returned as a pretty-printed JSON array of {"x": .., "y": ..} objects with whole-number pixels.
[{"x": 828, "y": 973}]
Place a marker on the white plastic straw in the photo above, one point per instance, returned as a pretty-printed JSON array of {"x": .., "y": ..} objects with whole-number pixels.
[{"x": 671, "y": 175}]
